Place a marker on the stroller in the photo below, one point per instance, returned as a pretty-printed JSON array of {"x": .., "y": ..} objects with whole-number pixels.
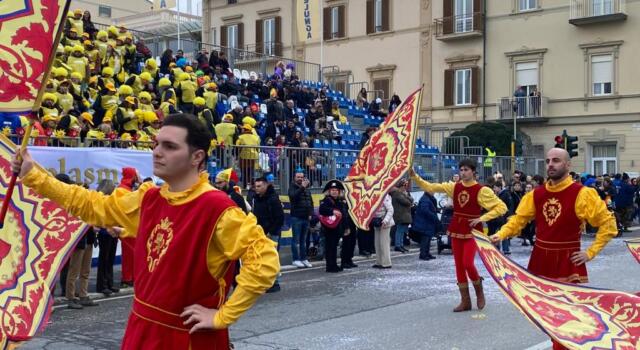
[{"x": 442, "y": 238}]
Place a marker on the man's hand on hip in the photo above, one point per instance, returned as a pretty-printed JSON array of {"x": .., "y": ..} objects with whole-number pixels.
[
  {"x": 579, "y": 258},
  {"x": 200, "y": 317}
]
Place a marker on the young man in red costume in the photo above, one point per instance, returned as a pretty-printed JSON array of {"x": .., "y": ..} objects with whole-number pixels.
[
  {"x": 560, "y": 208},
  {"x": 469, "y": 198},
  {"x": 188, "y": 237}
]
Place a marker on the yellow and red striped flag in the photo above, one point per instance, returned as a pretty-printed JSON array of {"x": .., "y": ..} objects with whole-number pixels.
[
  {"x": 634, "y": 248},
  {"x": 383, "y": 161},
  {"x": 576, "y": 316}
]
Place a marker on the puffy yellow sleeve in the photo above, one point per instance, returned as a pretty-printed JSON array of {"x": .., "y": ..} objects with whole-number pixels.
[
  {"x": 92, "y": 207},
  {"x": 525, "y": 212},
  {"x": 591, "y": 208},
  {"x": 238, "y": 236},
  {"x": 494, "y": 206},
  {"x": 446, "y": 187}
]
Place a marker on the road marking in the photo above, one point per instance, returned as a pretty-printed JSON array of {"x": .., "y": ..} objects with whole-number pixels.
[{"x": 542, "y": 346}]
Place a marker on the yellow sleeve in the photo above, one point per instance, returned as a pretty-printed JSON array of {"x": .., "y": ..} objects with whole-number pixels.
[
  {"x": 525, "y": 212},
  {"x": 494, "y": 206},
  {"x": 92, "y": 207},
  {"x": 446, "y": 187},
  {"x": 591, "y": 208},
  {"x": 238, "y": 236}
]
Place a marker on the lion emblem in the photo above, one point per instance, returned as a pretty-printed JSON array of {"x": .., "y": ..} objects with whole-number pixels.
[
  {"x": 551, "y": 210},
  {"x": 463, "y": 198},
  {"x": 158, "y": 243}
]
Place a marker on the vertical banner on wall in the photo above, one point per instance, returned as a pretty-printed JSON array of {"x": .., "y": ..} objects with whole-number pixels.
[{"x": 308, "y": 20}]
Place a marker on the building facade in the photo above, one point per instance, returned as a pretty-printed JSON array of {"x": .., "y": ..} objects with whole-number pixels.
[{"x": 105, "y": 11}]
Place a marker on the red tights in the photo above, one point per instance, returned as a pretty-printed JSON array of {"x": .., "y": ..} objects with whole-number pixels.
[{"x": 464, "y": 252}]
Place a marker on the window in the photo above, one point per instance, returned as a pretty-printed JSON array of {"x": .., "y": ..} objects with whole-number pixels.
[
  {"x": 230, "y": 2},
  {"x": 527, "y": 76},
  {"x": 604, "y": 159},
  {"x": 377, "y": 16},
  {"x": 104, "y": 11},
  {"x": 463, "y": 87},
  {"x": 232, "y": 36},
  {"x": 602, "y": 7},
  {"x": 463, "y": 16},
  {"x": 269, "y": 39},
  {"x": 527, "y": 5},
  {"x": 601, "y": 74},
  {"x": 335, "y": 22}
]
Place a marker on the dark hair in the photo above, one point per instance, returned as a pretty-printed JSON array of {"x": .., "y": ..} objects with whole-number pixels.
[
  {"x": 469, "y": 163},
  {"x": 198, "y": 137},
  {"x": 64, "y": 178},
  {"x": 260, "y": 179},
  {"x": 498, "y": 184}
]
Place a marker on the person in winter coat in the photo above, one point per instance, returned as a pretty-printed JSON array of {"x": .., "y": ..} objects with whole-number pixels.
[
  {"x": 425, "y": 222},
  {"x": 382, "y": 223},
  {"x": 334, "y": 206},
  {"x": 223, "y": 182},
  {"x": 269, "y": 212},
  {"x": 301, "y": 211},
  {"x": 402, "y": 203}
]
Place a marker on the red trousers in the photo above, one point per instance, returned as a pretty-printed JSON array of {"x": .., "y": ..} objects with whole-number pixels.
[
  {"x": 127, "y": 245},
  {"x": 464, "y": 253}
]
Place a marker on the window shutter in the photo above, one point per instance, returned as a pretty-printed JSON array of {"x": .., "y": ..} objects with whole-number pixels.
[
  {"x": 385, "y": 15},
  {"x": 448, "y": 86},
  {"x": 341, "y": 22},
  {"x": 259, "y": 36},
  {"x": 478, "y": 23},
  {"x": 447, "y": 17},
  {"x": 475, "y": 85},
  {"x": 241, "y": 36},
  {"x": 326, "y": 23},
  {"x": 370, "y": 19},
  {"x": 278, "y": 43},
  {"x": 223, "y": 36}
]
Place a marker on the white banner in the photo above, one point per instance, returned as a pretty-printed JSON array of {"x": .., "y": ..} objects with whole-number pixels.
[
  {"x": 308, "y": 20},
  {"x": 91, "y": 165}
]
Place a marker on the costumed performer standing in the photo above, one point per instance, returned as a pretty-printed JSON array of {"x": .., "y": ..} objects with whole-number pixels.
[
  {"x": 560, "y": 208},
  {"x": 188, "y": 237},
  {"x": 469, "y": 198}
]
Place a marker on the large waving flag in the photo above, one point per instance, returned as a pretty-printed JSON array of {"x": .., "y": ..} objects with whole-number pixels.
[
  {"x": 35, "y": 241},
  {"x": 576, "y": 316},
  {"x": 634, "y": 248},
  {"x": 383, "y": 161},
  {"x": 29, "y": 28}
]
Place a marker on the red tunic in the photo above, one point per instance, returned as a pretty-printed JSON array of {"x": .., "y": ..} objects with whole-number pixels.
[
  {"x": 171, "y": 273},
  {"x": 465, "y": 209},
  {"x": 558, "y": 230}
]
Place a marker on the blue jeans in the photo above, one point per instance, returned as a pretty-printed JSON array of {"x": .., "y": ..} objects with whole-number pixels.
[
  {"x": 506, "y": 245},
  {"x": 299, "y": 228},
  {"x": 401, "y": 230}
]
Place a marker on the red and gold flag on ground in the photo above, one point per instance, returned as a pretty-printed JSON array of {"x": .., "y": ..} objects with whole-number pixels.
[
  {"x": 634, "y": 248},
  {"x": 29, "y": 30},
  {"x": 383, "y": 161},
  {"x": 578, "y": 317},
  {"x": 35, "y": 241}
]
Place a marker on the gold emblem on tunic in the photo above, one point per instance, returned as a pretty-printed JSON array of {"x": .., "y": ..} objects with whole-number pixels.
[
  {"x": 463, "y": 198},
  {"x": 551, "y": 210},
  {"x": 158, "y": 243}
]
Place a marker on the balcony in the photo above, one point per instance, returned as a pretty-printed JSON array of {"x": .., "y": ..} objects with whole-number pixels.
[
  {"x": 586, "y": 12},
  {"x": 459, "y": 27},
  {"x": 525, "y": 109}
]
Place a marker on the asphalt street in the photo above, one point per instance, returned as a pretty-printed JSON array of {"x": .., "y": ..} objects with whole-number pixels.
[{"x": 406, "y": 307}]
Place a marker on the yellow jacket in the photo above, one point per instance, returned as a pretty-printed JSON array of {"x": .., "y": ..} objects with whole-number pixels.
[
  {"x": 225, "y": 132},
  {"x": 248, "y": 140},
  {"x": 589, "y": 207},
  {"x": 237, "y": 236}
]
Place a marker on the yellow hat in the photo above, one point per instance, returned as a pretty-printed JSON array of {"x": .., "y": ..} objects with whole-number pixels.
[
  {"x": 145, "y": 95},
  {"x": 73, "y": 30},
  {"x": 125, "y": 90},
  {"x": 151, "y": 63},
  {"x": 48, "y": 118},
  {"x": 273, "y": 93},
  {"x": 130, "y": 99},
  {"x": 249, "y": 121},
  {"x": 126, "y": 137},
  {"x": 145, "y": 76},
  {"x": 212, "y": 86},
  {"x": 184, "y": 76},
  {"x": 224, "y": 175},
  {"x": 50, "y": 96},
  {"x": 61, "y": 72},
  {"x": 150, "y": 117},
  {"x": 78, "y": 48},
  {"x": 172, "y": 101},
  {"x": 77, "y": 12},
  {"x": 188, "y": 69},
  {"x": 87, "y": 43},
  {"x": 69, "y": 14},
  {"x": 247, "y": 127},
  {"x": 108, "y": 117},
  {"x": 138, "y": 112},
  {"x": 101, "y": 34},
  {"x": 86, "y": 36},
  {"x": 110, "y": 87},
  {"x": 88, "y": 117},
  {"x": 199, "y": 101},
  {"x": 107, "y": 71},
  {"x": 76, "y": 75},
  {"x": 121, "y": 38},
  {"x": 93, "y": 79},
  {"x": 164, "y": 82},
  {"x": 227, "y": 117},
  {"x": 113, "y": 30},
  {"x": 172, "y": 64}
]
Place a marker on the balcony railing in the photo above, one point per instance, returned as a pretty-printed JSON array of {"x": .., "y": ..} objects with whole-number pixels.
[
  {"x": 270, "y": 48},
  {"x": 521, "y": 107},
  {"x": 595, "y": 11},
  {"x": 459, "y": 26}
]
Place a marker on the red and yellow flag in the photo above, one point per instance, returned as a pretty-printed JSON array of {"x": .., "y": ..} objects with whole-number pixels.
[
  {"x": 634, "y": 248},
  {"x": 36, "y": 240},
  {"x": 383, "y": 161},
  {"x": 576, "y": 316},
  {"x": 29, "y": 29}
]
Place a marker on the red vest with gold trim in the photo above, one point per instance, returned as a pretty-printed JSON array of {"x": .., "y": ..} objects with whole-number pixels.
[
  {"x": 171, "y": 272},
  {"x": 465, "y": 209}
]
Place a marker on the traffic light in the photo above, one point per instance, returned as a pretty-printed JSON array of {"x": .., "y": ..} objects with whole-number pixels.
[
  {"x": 570, "y": 144},
  {"x": 559, "y": 142}
]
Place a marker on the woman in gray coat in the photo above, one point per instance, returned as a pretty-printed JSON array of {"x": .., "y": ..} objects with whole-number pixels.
[{"x": 402, "y": 203}]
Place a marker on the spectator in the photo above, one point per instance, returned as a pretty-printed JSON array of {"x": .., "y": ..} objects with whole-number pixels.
[
  {"x": 107, "y": 245},
  {"x": 361, "y": 100},
  {"x": 394, "y": 103},
  {"x": 87, "y": 25},
  {"x": 366, "y": 136},
  {"x": 382, "y": 223},
  {"x": 248, "y": 154},
  {"x": 402, "y": 203},
  {"x": 425, "y": 223},
  {"x": 529, "y": 231},
  {"x": 301, "y": 211},
  {"x": 495, "y": 224},
  {"x": 165, "y": 60},
  {"x": 313, "y": 164},
  {"x": 333, "y": 208},
  {"x": 624, "y": 203},
  {"x": 268, "y": 210},
  {"x": 224, "y": 182},
  {"x": 375, "y": 108},
  {"x": 289, "y": 111},
  {"x": 275, "y": 108}
]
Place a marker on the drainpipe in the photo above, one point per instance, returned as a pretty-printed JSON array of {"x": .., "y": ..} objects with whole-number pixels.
[{"x": 484, "y": 61}]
